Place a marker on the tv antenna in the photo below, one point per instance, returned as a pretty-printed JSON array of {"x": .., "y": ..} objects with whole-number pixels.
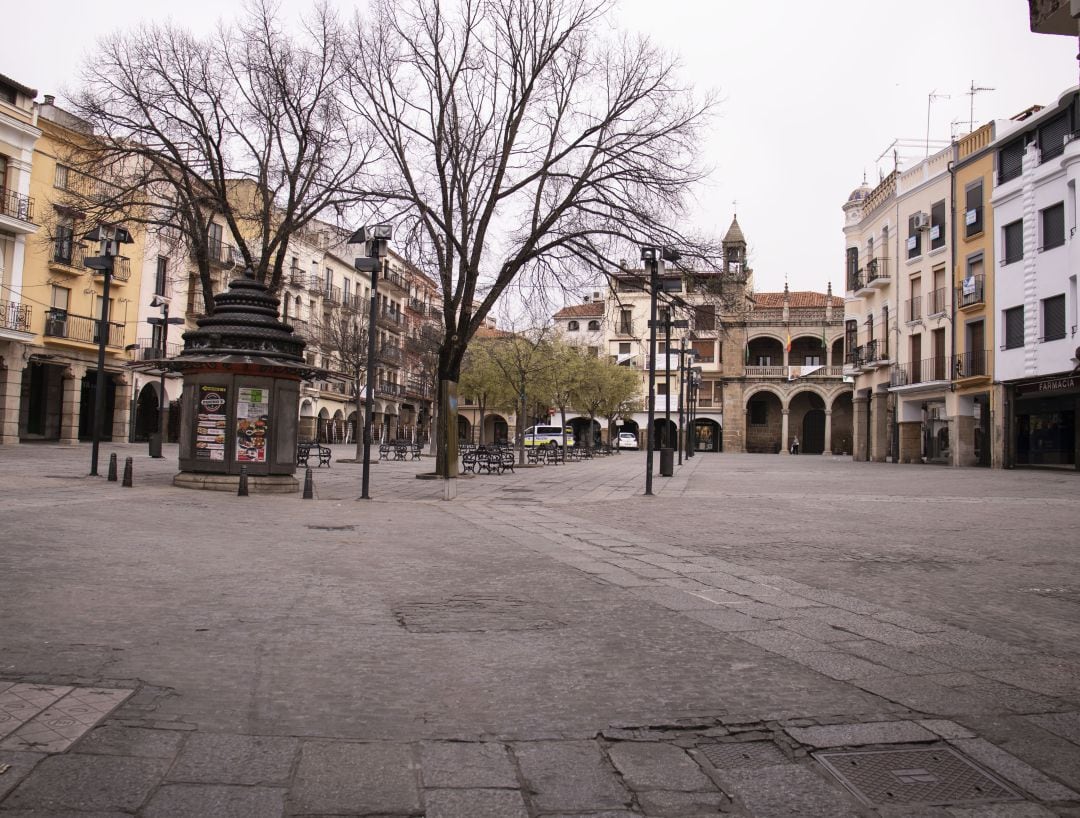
[
  {"x": 932, "y": 97},
  {"x": 971, "y": 92}
]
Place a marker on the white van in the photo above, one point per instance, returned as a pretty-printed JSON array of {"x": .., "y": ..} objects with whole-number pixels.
[{"x": 547, "y": 436}]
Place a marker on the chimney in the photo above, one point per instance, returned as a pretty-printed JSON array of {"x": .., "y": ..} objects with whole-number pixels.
[
  {"x": 48, "y": 99},
  {"x": 828, "y": 303}
]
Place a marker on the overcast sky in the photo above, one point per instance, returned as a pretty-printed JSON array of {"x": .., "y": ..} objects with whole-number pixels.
[{"x": 812, "y": 93}]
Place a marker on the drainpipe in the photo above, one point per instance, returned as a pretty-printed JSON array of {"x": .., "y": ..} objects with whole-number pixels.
[{"x": 955, "y": 433}]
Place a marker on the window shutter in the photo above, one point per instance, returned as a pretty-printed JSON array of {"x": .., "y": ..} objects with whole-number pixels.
[
  {"x": 1014, "y": 328},
  {"x": 1054, "y": 318},
  {"x": 1011, "y": 160},
  {"x": 1052, "y": 137},
  {"x": 1014, "y": 241},
  {"x": 1053, "y": 226}
]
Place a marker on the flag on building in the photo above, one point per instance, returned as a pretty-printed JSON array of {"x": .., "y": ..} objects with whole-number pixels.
[{"x": 789, "y": 341}]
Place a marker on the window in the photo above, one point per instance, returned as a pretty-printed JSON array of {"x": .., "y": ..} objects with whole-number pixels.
[
  {"x": 704, "y": 351},
  {"x": 937, "y": 225},
  {"x": 346, "y": 286},
  {"x": 594, "y": 326},
  {"x": 626, "y": 322},
  {"x": 914, "y": 240},
  {"x": 213, "y": 239},
  {"x": 1013, "y": 239},
  {"x": 624, "y": 347},
  {"x": 764, "y": 360},
  {"x": 573, "y": 326},
  {"x": 162, "y": 275},
  {"x": 64, "y": 246},
  {"x": 705, "y": 317},
  {"x": 61, "y": 178},
  {"x": 671, "y": 285},
  {"x": 759, "y": 413},
  {"x": 61, "y": 296},
  {"x": 1052, "y": 220},
  {"x": 1053, "y": 318},
  {"x": 1011, "y": 161},
  {"x": 1052, "y": 137},
  {"x": 852, "y": 268},
  {"x": 1014, "y": 327},
  {"x": 973, "y": 215},
  {"x": 661, "y": 388}
]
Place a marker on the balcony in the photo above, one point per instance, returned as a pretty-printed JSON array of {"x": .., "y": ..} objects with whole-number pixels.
[
  {"x": 856, "y": 281},
  {"x": 789, "y": 372},
  {"x": 82, "y": 328},
  {"x": 353, "y": 301},
  {"x": 389, "y": 389},
  {"x": 417, "y": 306},
  {"x": 332, "y": 295},
  {"x": 148, "y": 352},
  {"x": 877, "y": 273},
  {"x": 913, "y": 373},
  {"x": 625, "y": 328},
  {"x": 70, "y": 258},
  {"x": 913, "y": 309},
  {"x": 970, "y": 292},
  {"x": 417, "y": 390},
  {"x": 16, "y": 211},
  {"x": 939, "y": 304},
  {"x": 15, "y": 317},
  {"x": 974, "y": 364},
  {"x": 222, "y": 254},
  {"x": 396, "y": 282},
  {"x": 315, "y": 284},
  {"x": 297, "y": 277},
  {"x": 391, "y": 319},
  {"x": 391, "y": 353}
]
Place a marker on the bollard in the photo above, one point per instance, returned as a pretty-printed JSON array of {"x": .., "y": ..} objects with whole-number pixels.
[
  {"x": 112, "y": 467},
  {"x": 127, "y": 473},
  {"x": 242, "y": 491},
  {"x": 309, "y": 485}
]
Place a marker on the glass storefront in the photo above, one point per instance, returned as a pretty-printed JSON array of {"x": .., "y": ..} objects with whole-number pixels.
[{"x": 1044, "y": 422}]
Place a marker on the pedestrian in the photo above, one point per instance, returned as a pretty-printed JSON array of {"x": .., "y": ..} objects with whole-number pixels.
[{"x": 795, "y": 445}]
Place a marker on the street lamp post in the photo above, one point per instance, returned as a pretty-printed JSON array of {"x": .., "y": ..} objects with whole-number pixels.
[
  {"x": 162, "y": 302},
  {"x": 682, "y": 389},
  {"x": 694, "y": 386},
  {"x": 109, "y": 240},
  {"x": 651, "y": 257},
  {"x": 377, "y": 237}
]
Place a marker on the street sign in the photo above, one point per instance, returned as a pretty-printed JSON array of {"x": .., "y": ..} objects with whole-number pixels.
[{"x": 682, "y": 323}]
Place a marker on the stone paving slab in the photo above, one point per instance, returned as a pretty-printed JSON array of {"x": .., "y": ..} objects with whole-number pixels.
[
  {"x": 470, "y": 765},
  {"x": 341, "y": 778},
  {"x": 472, "y": 803},
  {"x": 188, "y": 800},
  {"x": 16, "y": 767},
  {"x": 850, "y": 735},
  {"x": 570, "y": 777},
  {"x": 222, "y": 759},
  {"x": 88, "y": 783},
  {"x": 655, "y": 766}
]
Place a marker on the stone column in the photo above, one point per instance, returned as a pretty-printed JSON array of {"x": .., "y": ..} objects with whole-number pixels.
[
  {"x": 122, "y": 408},
  {"x": 828, "y": 432},
  {"x": 860, "y": 448},
  {"x": 962, "y": 433},
  {"x": 11, "y": 375},
  {"x": 784, "y": 442},
  {"x": 879, "y": 429},
  {"x": 70, "y": 404},
  {"x": 911, "y": 441}
]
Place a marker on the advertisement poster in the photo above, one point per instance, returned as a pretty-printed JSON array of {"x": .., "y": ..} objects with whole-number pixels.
[
  {"x": 252, "y": 424},
  {"x": 210, "y": 422}
]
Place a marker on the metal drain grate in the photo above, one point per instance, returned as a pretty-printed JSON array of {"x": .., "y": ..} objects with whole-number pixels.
[
  {"x": 731, "y": 755},
  {"x": 924, "y": 777}
]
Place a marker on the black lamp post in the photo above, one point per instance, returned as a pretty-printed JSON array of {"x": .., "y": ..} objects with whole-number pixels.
[
  {"x": 162, "y": 302},
  {"x": 377, "y": 237},
  {"x": 694, "y": 386},
  {"x": 109, "y": 240},
  {"x": 651, "y": 257}
]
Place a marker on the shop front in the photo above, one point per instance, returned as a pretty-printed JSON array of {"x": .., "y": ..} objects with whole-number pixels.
[{"x": 1042, "y": 427}]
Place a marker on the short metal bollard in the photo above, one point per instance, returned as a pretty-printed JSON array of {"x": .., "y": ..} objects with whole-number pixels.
[
  {"x": 112, "y": 467},
  {"x": 309, "y": 485},
  {"x": 242, "y": 490},
  {"x": 127, "y": 472}
]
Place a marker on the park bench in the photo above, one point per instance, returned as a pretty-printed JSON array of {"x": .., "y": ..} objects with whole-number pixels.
[{"x": 305, "y": 450}]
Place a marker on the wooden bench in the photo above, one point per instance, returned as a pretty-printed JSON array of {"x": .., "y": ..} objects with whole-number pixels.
[{"x": 305, "y": 450}]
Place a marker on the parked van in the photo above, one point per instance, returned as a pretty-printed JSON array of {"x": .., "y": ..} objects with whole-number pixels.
[{"x": 547, "y": 436}]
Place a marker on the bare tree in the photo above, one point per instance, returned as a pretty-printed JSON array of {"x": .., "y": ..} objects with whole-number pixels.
[
  {"x": 523, "y": 140},
  {"x": 344, "y": 331},
  {"x": 246, "y": 125}
]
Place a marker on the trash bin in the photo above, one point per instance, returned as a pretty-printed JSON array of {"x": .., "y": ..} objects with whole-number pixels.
[
  {"x": 667, "y": 462},
  {"x": 155, "y": 444}
]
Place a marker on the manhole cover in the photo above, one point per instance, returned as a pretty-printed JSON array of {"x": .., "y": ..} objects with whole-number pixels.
[
  {"x": 734, "y": 755},
  {"x": 925, "y": 777},
  {"x": 473, "y": 613},
  {"x": 332, "y": 527}
]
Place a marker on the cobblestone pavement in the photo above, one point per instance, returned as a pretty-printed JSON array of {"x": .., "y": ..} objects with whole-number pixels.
[{"x": 551, "y": 643}]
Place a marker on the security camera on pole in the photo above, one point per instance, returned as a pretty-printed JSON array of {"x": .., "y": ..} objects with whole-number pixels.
[
  {"x": 377, "y": 237},
  {"x": 109, "y": 240}
]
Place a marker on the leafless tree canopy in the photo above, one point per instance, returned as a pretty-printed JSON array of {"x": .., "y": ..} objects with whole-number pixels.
[
  {"x": 524, "y": 141},
  {"x": 246, "y": 124}
]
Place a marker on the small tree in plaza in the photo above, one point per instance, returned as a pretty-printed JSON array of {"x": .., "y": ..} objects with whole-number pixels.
[
  {"x": 523, "y": 359},
  {"x": 564, "y": 377},
  {"x": 484, "y": 381},
  {"x": 606, "y": 390},
  {"x": 344, "y": 331}
]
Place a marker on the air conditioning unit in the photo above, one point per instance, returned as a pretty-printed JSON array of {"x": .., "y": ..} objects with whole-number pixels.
[
  {"x": 56, "y": 327},
  {"x": 921, "y": 220}
]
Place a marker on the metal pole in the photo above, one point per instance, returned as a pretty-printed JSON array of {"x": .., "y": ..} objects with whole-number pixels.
[
  {"x": 691, "y": 394},
  {"x": 369, "y": 390},
  {"x": 103, "y": 337},
  {"x": 653, "y": 282},
  {"x": 680, "y": 441},
  {"x": 666, "y": 438},
  {"x": 163, "y": 407}
]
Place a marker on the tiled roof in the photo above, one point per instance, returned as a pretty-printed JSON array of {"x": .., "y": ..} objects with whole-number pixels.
[
  {"x": 796, "y": 300},
  {"x": 492, "y": 332},
  {"x": 594, "y": 309},
  {"x": 734, "y": 233}
]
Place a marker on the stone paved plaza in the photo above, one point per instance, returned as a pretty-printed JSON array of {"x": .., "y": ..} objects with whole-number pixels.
[{"x": 767, "y": 636}]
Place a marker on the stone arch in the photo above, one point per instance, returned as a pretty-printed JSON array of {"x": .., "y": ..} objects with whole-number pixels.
[
  {"x": 707, "y": 435},
  {"x": 806, "y": 420},
  {"x": 842, "y": 422},
  {"x": 765, "y": 387},
  {"x": 586, "y": 431},
  {"x": 765, "y": 409},
  {"x": 147, "y": 412},
  {"x": 807, "y": 350},
  {"x": 496, "y": 429},
  {"x": 665, "y": 433},
  {"x": 764, "y": 350},
  {"x": 464, "y": 429}
]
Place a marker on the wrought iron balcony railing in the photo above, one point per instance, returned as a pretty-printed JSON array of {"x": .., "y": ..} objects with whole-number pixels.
[
  {"x": 969, "y": 293},
  {"x": 15, "y": 316},
  {"x": 16, "y": 206},
  {"x": 62, "y": 324}
]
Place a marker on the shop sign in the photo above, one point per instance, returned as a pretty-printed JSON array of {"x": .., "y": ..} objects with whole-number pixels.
[
  {"x": 1048, "y": 385},
  {"x": 252, "y": 424}
]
